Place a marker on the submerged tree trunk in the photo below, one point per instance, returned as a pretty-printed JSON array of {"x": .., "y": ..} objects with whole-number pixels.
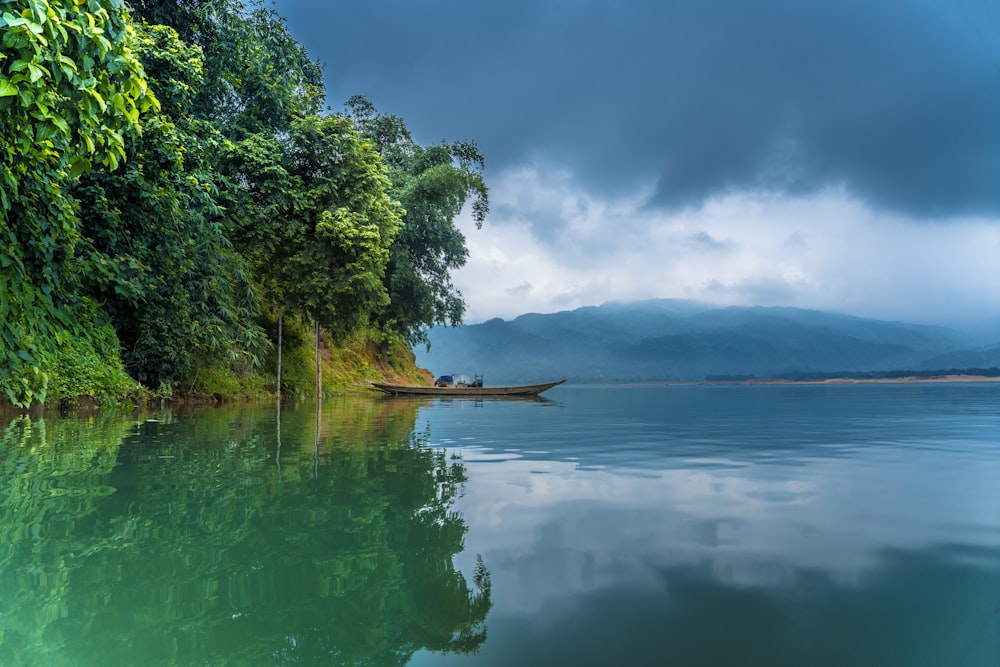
[
  {"x": 319, "y": 410},
  {"x": 277, "y": 436}
]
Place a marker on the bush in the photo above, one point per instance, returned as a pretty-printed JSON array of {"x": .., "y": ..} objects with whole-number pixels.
[{"x": 90, "y": 364}]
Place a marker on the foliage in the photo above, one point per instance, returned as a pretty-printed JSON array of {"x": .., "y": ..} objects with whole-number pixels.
[
  {"x": 88, "y": 364},
  {"x": 216, "y": 380},
  {"x": 157, "y": 257},
  {"x": 316, "y": 219},
  {"x": 298, "y": 351},
  {"x": 304, "y": 200},
  {"x": 172, "y": 180},
  {"x": 433, "y": 184},
  {"x": 365, "y": 355},
  {"x": 371, "y": 355},
  {"x": 71, "y": 89},
  {"x": 257, "y": 77}
]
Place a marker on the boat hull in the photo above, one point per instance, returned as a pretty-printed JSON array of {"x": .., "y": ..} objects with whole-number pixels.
[{"x": 473, "y": 392}]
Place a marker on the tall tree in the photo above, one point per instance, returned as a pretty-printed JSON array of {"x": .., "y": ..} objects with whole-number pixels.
[
  {"x": 71, "y": 89},
  {"x": 433, "y": 183},
  {"x": 258, "y": 81},
  {"x": 316, "y": 217},
  {"x": 179, "y": 294}
]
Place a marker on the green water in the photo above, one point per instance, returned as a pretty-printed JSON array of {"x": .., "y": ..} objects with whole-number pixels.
[
  {"x": 605, "y": 526},
  {"x": 195, "y": 540}
]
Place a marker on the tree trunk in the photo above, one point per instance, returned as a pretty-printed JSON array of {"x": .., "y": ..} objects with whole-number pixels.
[
  {"x": 319, "y": 372},
  {"x": 281, "y": 315}
]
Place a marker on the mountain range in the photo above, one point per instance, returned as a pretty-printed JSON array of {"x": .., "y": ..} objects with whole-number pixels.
[{"x": 678, "y": 340}]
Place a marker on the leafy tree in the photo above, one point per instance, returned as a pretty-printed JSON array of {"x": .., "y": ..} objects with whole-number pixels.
[
  {"x": 433, "y": 184},
  {"x": 178, "y": 293},
  {"x": 258, "y": 83},
  {"x": 317, "y": 219},
  {"x": 71, "y": 89},
  {"x": 307, "y": 204},
  {"x": 257, "y": 78}
]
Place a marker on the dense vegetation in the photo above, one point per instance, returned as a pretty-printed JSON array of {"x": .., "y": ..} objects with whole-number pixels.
[{"x": 175, "y": 199}]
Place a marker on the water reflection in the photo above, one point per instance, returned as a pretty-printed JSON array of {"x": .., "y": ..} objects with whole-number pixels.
[
  {"x": 644, "y": 526},
  {"x": 737, "y": 526},
  {"x": 219, "y": 539}
]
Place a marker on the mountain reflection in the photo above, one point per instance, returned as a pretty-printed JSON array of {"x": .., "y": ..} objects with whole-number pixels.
[{"x": 223, "y": 538}]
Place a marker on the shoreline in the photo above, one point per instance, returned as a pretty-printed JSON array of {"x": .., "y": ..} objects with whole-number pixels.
[
  {"x": 956, "y": 378},
  {"x": 909, "y": 379}
]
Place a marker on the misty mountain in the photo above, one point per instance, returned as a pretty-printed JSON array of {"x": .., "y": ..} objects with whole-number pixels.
[{"x": 677, "y": 340}]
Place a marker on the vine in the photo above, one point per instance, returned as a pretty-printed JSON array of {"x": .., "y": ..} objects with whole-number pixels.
[{"x": 70, "y": 90}]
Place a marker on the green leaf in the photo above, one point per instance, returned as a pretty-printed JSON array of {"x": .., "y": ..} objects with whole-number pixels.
[
  {"x": 97, "y": 97},
  {"x": 35, "y": 72},
  {"x": 13, "y": 21},
  {"x": 61, "y": 124},
  {"x": 78, "y": 167},
  {"x": 7, "y": 89},
  {"x": 43, "y": 131}
]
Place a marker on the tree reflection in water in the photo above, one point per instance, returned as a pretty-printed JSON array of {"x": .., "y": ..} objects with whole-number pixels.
[{"x": 211, "y": 538}]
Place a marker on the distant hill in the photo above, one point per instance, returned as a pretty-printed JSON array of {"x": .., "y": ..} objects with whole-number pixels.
[{"x": 676, "y": 340}]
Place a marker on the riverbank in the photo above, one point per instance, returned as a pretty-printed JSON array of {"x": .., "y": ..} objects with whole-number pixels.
[
  {"x": 943, "y": 378},
  {"x": 877, "y": 380}
]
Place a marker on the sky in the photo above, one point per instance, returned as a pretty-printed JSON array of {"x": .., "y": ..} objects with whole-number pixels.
[{"x": 843, "y": 156}]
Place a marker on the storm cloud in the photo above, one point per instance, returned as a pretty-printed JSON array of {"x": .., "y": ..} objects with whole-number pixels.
[
  {"x": 896, "y": 101},
  {"x": 715, "y": 149}
]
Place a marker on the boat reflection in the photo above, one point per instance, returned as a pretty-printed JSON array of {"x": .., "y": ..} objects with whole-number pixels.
[{"x": 425, "y": 401}]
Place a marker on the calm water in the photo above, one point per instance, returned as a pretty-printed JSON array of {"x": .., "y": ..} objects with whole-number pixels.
[{"x": 795, "y": 525}]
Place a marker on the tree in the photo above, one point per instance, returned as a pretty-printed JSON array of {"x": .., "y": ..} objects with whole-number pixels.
[
  {"x": 180, "y": 296},
  {"x": 317, "y": 219},
  {"x": 162, "y": 265},
  {"x": 258, "y": 82},
  {"x": 433, "y": 184},
  {"x": 257, "y": 78},
  {"x": 71, "y": 89}
]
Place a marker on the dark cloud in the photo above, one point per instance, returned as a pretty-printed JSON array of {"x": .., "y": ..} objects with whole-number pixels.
[{"x": 898, "y": 101}]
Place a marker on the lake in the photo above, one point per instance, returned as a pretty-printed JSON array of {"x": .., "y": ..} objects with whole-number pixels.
[{"x": 643, "y": 525}]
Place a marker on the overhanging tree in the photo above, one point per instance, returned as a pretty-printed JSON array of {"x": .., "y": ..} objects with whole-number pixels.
[
  {"x": 339, "y": 226},
  {"x": 258, "y": 82}
]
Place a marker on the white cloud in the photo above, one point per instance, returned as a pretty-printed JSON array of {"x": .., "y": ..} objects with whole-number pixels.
[
  {"x": 551, "y": 246},
  {"x": 755, "y": 525}
]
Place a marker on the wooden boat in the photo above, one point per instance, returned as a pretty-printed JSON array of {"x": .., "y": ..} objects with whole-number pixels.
[{"x": 470, "y": 392}]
